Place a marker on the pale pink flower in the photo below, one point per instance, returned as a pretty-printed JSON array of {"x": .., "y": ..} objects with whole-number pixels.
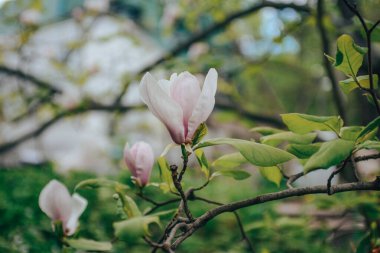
[
  {"x": 57, "y": 203},
  {"x": 180, "y": 103},
  {"x": 367, "y": 170},
  {"x": 139, "y": 160}
]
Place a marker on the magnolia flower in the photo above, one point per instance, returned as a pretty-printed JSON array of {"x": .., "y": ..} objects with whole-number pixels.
[
  {"x": 179, "y": 102},
  {"x": 57, "y": 203},
  {"x": 139, "y": 159},
  {"x": 367, "y": 170}
]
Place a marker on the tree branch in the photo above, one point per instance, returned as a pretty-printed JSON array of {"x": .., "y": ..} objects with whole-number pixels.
[
  {"x": 92, "y": 106},
  {"x": 368, "y": 33},
  {"x": 293, "y": 178},
  {"x": 27, "y": 77},
  {"x": 210, "y": 31},
  {"x": 321, "y": 189},
  {"x": 178, "y": 186},
  {"x": 272, "y": 120},
  {"x": 367, "y": 157},
  {"x": 337, "y": 96}
]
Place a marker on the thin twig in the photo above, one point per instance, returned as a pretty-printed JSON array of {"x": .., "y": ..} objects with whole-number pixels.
[
  {"x": 321, "y": 189},
  {"x": 368, "y": 33},
  {"x": 367, "y": 157},
  {"x": 202, "y": 186},
  {"x": 162, "y": 204},
  {"x": 185, "y": 158},
  {"x": 293, "y": 178},
  {"x": 336, "y": 171},
  {"x": 374, "y": 26},
  {"x": 178, "y": 186}
]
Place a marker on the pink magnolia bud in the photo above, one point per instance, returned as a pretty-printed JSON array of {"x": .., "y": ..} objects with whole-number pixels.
[
  {"x": 179, "y": 102},
  {"x": 57, "y": 203},
  {"x": 139, "y": 159},
  {"x": 367, "y": 170}
]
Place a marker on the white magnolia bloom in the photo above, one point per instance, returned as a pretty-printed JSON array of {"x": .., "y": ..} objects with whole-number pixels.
[
  {"x": 367, "y": 170},
  {"x": 57, "y": 203},
  {"x": 180, "y": 103}
]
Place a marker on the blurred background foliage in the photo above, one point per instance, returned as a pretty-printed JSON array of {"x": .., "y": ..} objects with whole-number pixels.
[
  {"x": 270, "y": 61},
  {"x": 313, "y": 224}
]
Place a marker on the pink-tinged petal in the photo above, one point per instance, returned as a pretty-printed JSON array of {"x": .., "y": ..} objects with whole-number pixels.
[
  {"x": 367, "y": 170},
  {"x": 163, "y": 107},
  {"x": 55, "y": 201},
  {"x": 185, "y": 90},
  {"x": 205, "y": 103},
  {"x": 129, "y": 159},
  {"x": 144, "y": 162},
  {"x": 78, "y": 204}
]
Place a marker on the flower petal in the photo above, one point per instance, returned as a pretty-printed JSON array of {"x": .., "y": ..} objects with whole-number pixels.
[
  {"x": 129, "y": 160},
  {"x": 205, "y": 103},
  {"x": 144, "y": 162},
  {"x": 163, "y": 107},
  {"x": 78, "y": 204},
  {"x": 185, "y": 91},
  {"x": 55, "y": 201},
  {"x": 367, "y": 170}
]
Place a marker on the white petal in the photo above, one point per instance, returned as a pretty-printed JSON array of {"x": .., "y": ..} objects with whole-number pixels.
[
  {"x": 78, "y": 205},
  {"x": 205, "y": 103},
  {"x": 367, "y": 170},
  {"x": 163, "y": 107},
  {"x": 165, "y": 85},
  {"x": 130, "y": 159},
  {"x": 144, "y": 162},
  {"x": 185, "y": 91},
  {"x": 55, "y": 201}
]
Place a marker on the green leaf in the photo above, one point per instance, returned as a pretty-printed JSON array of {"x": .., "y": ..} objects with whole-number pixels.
[
  {"x": 135, "y": 227},
  {"x": 364, "y": 244},
  {"x": 350, "y": 133},
  {"x": 349, "y": 56},
  {"x": 88, "y": 245},
  {"x": 369, "y": 131},
  {"x": 263, "y": 130},
  {"x": 199, "y": 134},
  {"x": 128, "y": 205},
  {"x": 349, "y": 85},
  {"x": 303, "y": 151},
  {"x": 234, "y": 173},
  {"x": 255, "y": 153},
  {"x": 370, "y": 99},
  {"x": 304, "y": 123},
  {"x": 166, "y": 175},
  {"x": 330, "y": 153},
  {"x": 100, "y": 182},
  {"x": 229, "y": 161},
  {"x": 202, "y": 160},
  {"x": 331, "y": 59},
  {"x": 272, "y": 174},
  {"x": 369, "y": 145},
  {"x": 278, "y": 138}
]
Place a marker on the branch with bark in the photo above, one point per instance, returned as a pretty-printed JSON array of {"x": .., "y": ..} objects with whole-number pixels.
[
  {"x": 212, "y": 30},
  {"x": 327, "y": 65},
  {"x": 29, "y": 78},
  {"x": 368, "y": 33},
  {"x": 90, "y": 106},
  {"x": 172, "y": 242}
]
